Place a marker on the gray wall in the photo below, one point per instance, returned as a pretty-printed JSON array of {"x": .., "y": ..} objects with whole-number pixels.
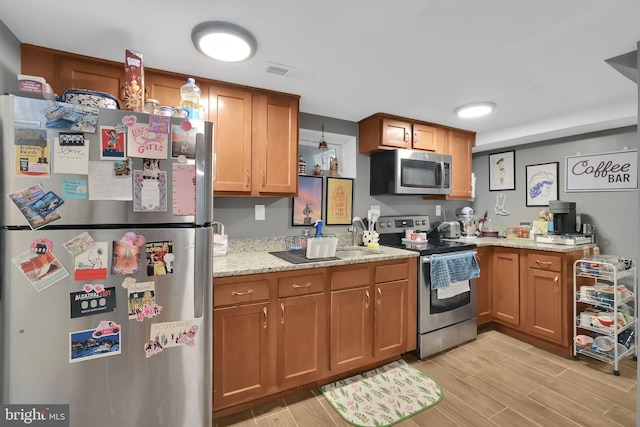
[
  {"x": 615, "y": 214},
  {"x": 9, "y": 60}
]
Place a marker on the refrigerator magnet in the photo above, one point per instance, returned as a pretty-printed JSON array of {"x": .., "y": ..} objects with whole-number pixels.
[
  {"x": 142, "y": 142},
  {"x": 159, "y": 258},
  {"x": 79, "y": 244},
  {"x": 71, "y": 154},
  {"x": 149, "y": 194},
  {"x": 174, "y": 334},
  {"x": 92, "y": 264},
  {"x": 152, "y": 347},
  {"x": 42, "y": 270},
  {"x": 183, "y": 140},
  {"x": 31, "y": 152},
  {"x": 41, "y": 246},
  {"x": 89, "y": 344},
  {"x": 184, "y": 189},
  {"x": 74, "y": 189},
  {"x": 38, "y": 206},
  {"x": 159, "y": 124},
  {"x": 93, "y": 299},
  {"x": 112, "y": 143},
  {"x": 142, "y": 301},
  {"x": 126, "y": 254}
]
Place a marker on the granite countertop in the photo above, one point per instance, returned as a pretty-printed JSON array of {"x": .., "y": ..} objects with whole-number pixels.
[
  {"x": 251, "y": 256},
  {"x": 521, "y": 244}
]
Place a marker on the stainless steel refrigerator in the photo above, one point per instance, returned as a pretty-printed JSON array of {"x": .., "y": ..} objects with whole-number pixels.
[{"x": 106, "y": 291}]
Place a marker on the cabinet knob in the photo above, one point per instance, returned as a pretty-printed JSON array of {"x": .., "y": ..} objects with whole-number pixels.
[
  {"x": 544, "y": 263},
  {"x": 379, "y": 296},
  {"x": 556, "y": 282},
  {"x": 282, "y": 309},
  {"x": 296, "y": 286}
]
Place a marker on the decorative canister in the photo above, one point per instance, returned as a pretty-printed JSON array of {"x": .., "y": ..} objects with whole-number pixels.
[{"x": 302, "y": 166}]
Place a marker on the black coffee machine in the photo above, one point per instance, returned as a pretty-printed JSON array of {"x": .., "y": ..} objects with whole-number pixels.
[{"x": 564, "y": 216}]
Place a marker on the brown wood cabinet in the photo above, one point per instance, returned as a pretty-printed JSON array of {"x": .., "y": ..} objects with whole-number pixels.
[
  {"x": 531, "y": 295},
  {"x": 242, "y": 340},
  {"x": 301, "y": 331},
  {"x": 506, "y": 287},
  {"x": 256, "y": 130},
  {"x": 231, "y": 111},
  {"x": 384, "y": 132},
  {"x": 371, "y": 318},
  {"x": 544, "y": 297},
  {"x": 459, "y": 146},
  {"x": 483, "y": 284},
  {"x": 274, "y": 332}
]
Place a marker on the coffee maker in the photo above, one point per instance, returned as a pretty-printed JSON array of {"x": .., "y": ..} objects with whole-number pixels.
[{"x": 564, "y": 216}]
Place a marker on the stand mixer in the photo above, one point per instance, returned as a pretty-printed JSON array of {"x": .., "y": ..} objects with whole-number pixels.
[{"x": 468, "y": 222}]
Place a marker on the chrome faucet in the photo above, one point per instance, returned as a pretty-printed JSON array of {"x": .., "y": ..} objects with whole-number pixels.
[{"x": 354, "y": 229}]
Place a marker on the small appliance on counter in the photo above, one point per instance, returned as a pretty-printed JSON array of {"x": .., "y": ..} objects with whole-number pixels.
[
  {"x": 564, "y": 216},
  {"x": 468, "y": 221}
]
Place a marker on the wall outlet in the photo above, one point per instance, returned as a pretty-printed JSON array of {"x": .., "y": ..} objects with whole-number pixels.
[
  {"x": 438, "y": 210},
  {"x": 260, "y": 213}
]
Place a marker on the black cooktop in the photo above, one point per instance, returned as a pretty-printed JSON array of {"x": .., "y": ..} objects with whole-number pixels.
[{"x": 431, "y": 247}]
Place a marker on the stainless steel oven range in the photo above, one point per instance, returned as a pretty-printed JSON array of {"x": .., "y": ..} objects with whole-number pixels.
[{"x": 444, "y": 320}]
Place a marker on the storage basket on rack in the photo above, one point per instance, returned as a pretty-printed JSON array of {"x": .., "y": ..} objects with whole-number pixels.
[{"x": 312, "y": 247}]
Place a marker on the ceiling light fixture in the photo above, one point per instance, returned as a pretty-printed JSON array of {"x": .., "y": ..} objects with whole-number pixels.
[
  {"x": 224, "y": 41},
  {"x": 322, "y": 146},
  {"x": 476, "y": 109}
]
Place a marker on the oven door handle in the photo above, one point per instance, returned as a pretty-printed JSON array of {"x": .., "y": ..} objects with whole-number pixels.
[{"x": 426, "y": 259}]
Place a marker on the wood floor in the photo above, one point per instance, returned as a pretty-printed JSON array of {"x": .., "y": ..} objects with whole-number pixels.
[{"x": 495, "y": 380}]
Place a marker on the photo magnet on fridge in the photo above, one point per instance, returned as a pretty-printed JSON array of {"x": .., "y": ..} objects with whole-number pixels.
[
  {"x": 159, "y": 258},
  {"x": 126, "y": 254},
  {"x": 89, "y": 344},
  {"x": 142, "y": 301},
  {"x": 92, "y": 264},
  {"x": 42, "y": 270}
]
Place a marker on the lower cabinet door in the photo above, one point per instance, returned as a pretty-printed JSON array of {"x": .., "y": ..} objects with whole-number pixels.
[
  {"x": 544, "y": 304},
  {"x": 351, "y": 329},
  {"x": 390, "y": 313},
  {"x": 302, "y": 340},
  {"x": 240, "y": 354}
]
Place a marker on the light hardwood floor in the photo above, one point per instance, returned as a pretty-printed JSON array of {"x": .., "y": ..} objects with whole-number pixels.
[{"x": 495, "y": 380}]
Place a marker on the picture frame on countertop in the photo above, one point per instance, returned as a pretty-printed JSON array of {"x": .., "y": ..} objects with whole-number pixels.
[
  {"x": 339, "y": 201},
  {"x": 541, "y": 183},
  {"x": 306, "y": 209},
  {"x": 502, "y": 171}
]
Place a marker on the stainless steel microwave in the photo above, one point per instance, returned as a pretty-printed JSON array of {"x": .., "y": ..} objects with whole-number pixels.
[{"x": 410, "y": 172}]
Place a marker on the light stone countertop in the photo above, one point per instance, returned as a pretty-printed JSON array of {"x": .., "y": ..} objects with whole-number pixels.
[
  {"x": 251, "y": 256},
  {"x": 521, "y": 244}
]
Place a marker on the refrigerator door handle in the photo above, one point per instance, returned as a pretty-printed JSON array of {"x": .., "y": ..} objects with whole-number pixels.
[
  {"x": 205, "y": 165},
  {"x": 203, "y": 277}
]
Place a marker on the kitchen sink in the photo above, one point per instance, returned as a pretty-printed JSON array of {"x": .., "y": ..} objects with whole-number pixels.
[{"x": 351, "y": 253}]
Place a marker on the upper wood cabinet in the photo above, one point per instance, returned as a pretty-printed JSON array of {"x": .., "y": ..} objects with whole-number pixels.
[
  {"x": 384, "y": 132},
  {"x": 275, "y": 144},
  {"x": 459, "y": 146},
  {"x": 256, "y": 130},
  {"x": 231, "y": 112}
]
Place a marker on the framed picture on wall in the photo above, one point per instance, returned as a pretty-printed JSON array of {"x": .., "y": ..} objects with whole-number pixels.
[
  {"x": 542, "y": 183},
  {"x": 339, "y": 201},
  {"x": 502, "y": 171},
  {"x": 307, "y": 207}
]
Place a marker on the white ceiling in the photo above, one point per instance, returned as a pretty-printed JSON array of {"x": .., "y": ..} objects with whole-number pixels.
[{"x": 543, "y": 63}]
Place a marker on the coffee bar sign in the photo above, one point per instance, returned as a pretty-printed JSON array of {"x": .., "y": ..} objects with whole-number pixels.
[{"x": 615, "y": 171}]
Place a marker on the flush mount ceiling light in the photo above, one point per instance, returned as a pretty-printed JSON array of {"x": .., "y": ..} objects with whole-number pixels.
[
  {"x": 476, "y": 109},
  {"x": 224, "y": 41}
]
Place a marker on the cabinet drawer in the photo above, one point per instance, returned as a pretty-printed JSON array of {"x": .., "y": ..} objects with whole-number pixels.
[
  {"x": 240, "y": 292},
  {"x": 300, "y": 285},
  {"x": 544, "y": 262},
  {"x": 351, "y": 278},
  {"x": 392, "y": 272}
]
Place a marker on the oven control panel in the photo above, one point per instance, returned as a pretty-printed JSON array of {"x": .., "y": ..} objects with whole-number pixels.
[{"x": 399, "y": 223}]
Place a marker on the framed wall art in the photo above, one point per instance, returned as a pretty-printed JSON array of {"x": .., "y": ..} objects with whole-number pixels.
[
  {"x": 307, "y": 207},
  {"x": 502, "y": 171},
  {"x": 339, "y": 201},
  {"x": 542, "y": 183}
]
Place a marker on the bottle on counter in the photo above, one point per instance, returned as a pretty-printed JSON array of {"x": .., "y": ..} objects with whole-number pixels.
[{"x": 190, "y": 99}]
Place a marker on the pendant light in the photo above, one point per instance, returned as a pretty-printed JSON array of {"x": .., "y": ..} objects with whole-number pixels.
[{"x": 322, "y": 146}]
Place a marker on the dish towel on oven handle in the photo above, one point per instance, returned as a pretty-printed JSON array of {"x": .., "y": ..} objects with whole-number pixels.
[{"x": 453, "y": 268}]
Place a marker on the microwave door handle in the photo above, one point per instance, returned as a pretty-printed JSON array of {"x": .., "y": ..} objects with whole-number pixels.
[{"x": 442, "y": 175}]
